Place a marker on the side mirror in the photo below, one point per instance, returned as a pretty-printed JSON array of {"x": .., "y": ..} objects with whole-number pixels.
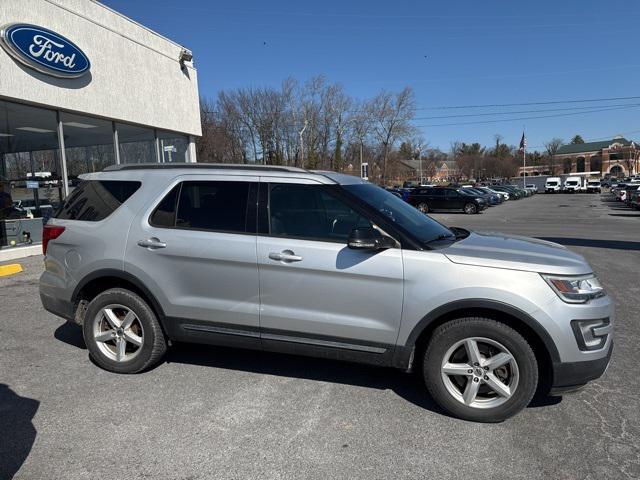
[{"x": 367, "y": 238}]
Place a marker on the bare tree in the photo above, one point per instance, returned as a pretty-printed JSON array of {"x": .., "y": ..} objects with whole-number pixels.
[
  {"x": 551, "y": 148},
  {"x": 392, "y": 116}
]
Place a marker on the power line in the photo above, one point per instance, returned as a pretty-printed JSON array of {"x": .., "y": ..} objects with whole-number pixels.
[
  {"x": 484, "y": 114},
  {"x": 482, "y": 122},
  {"x": 555, "y": 102}
]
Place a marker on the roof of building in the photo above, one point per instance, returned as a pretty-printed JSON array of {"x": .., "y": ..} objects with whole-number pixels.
[{"x": 591, "y": 146}]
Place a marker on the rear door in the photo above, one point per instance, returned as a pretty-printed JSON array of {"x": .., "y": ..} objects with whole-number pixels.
[
  {"x": 454, "y": 200},
  {"x": 314, "y": 290},
  {"x": 195, "y": 249}
]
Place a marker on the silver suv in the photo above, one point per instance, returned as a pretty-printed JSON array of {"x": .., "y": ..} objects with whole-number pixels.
[{"x": 323, "y": 264}]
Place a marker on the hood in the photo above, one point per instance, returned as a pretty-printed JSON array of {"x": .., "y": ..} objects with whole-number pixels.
[{"x": 516, "y": 253}]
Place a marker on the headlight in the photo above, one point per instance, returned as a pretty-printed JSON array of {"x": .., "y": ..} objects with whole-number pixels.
[{"x": 575, "y": 289}]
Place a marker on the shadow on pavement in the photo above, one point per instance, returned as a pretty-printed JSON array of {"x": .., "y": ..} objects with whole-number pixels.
[
  {"x": 624, "y": 215},
  {"x": 408, "y": 386},
  {"x": 587, "y": 242},
  {"x": 17, "y": 432},
  {"x": 71, "y": 334}
]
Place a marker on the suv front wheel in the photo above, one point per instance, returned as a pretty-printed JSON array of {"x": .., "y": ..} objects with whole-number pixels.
[
  {"x": 479, "y": 369},
  {"x": 122, "y": 332}
]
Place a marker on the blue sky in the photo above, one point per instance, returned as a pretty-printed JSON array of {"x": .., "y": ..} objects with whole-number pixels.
[{"x": 451, "y": 53}]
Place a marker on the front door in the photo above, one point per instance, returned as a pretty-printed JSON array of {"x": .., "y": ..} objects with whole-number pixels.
[
  {"x": 196, "y": 251},
  {"x": 315, "y": 290}
]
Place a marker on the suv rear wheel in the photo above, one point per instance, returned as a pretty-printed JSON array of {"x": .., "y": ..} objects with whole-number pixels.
[
  {"x": 122, "y": 333},
  {"x": 423, "y": 207},
  {"x": 479, "y": 369}
]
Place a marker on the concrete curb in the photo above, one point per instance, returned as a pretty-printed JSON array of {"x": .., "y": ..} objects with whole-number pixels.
[{"x": 20, "y": 252}]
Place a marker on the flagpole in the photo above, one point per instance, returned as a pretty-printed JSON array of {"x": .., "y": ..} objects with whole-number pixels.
[{"x": 524, "y": 160}]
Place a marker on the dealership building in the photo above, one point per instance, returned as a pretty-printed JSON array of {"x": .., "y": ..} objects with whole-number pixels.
[{"x": 83, "y": 87}]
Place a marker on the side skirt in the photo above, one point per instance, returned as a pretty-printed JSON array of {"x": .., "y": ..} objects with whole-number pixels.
[{"x": 280, "y": 341}]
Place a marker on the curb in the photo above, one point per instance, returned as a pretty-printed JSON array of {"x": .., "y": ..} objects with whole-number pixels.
[{"x": 11, "y": 269}]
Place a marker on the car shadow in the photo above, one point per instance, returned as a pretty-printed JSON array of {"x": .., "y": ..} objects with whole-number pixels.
[
  {"x": 587, "y": 242},
  {"x": 17, "y": 430},
  {"x": 408, "y": 386},
  {"x": 71, "y": 334}
]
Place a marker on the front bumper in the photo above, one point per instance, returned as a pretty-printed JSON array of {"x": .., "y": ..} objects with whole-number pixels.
[{"x": 569, "y": 376}]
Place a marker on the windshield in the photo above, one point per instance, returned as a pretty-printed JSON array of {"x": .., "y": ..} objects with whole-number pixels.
[
  {"x": 572, "y": 183},
  {"x": 403, "y": 215},
  {"x": 553, "y": 184}
]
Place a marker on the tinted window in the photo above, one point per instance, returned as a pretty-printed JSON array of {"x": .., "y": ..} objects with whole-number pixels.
[
  {"x": 452, "y": 194},
  {"x": 437, "y": 192},
  {"x": 309, "y": 211},
  {"x": 95, "y": 200},
  {"x": 220, "y": 206},
  {"x": 165, "y": 214}
]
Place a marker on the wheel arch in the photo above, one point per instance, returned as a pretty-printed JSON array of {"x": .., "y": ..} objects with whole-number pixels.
[
  {"x": 541, "y": 342},
  {"x": 100, "y": 280}
]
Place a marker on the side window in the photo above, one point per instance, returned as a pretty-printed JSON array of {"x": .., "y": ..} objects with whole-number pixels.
[
  {"x": 165, "y": 213},
  {"x": 310, "y": 212},
  {"x": 437, "y": 192},
  {"x": 218, "y": 206},
  {"x": 95, "y": 200},
  {"x": 452, "y": 194}
]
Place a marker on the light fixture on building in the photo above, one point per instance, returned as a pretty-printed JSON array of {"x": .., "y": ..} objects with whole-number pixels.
[
  {"x": 35, "y": 130},
  {"x": 78, "y": 125},
  {"x": 185, "y": 56}
]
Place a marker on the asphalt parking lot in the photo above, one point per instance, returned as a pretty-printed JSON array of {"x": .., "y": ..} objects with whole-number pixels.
[{"x": 210, "y": 412}]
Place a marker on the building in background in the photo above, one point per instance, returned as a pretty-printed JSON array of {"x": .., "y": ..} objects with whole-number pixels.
[
  {"x": 618, "y": 157},
  {"x": 83, "y": 87}
]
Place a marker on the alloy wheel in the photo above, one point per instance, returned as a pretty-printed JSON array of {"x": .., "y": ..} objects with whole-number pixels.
[
  {"x": 480, "y": 372},
  {"x": 118, "y": 332},
  {"x": 469, "y": 208},
  {"x": 423, "y": 207}
]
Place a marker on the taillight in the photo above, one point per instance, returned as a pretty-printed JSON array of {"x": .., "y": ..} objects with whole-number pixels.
[{"x": 50, "y": 232}]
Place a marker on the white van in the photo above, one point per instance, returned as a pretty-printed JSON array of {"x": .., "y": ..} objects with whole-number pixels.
[
  {"x": 574, "y": 185},
  {"x": 552, "y": 185}
]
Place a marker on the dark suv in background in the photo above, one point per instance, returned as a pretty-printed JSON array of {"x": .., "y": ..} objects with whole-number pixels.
[{"x": 446, "y": 199}]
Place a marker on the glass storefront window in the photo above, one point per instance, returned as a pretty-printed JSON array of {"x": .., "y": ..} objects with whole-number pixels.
[
  {"x": 137, "y": 144},
  {"x": 30, "y": 173},
  {"x": 88, "y": 145},
  {"x": 173, "y": 147}
]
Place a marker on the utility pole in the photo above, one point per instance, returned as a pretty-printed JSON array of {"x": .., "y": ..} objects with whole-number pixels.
[
  {"x": 302, "y": 144},
  {"x": 420, "y": 163}
]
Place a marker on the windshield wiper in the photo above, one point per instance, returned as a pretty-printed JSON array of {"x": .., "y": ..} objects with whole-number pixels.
[{"x": 441, "y": 237}]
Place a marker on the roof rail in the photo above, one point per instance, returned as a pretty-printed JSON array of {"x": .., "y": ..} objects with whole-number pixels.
[{"x": 209, "y": 166}]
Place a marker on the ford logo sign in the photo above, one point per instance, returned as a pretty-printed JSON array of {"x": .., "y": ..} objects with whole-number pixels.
[{"x": 44, "y": 50}]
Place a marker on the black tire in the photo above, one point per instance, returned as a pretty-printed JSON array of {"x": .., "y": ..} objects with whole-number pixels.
[
  {"x": 423, "y": 207},
  {"x": 470, "y": 209},
  {"x": 446, "y": 336},
  {"x": 153, "y": 345}
]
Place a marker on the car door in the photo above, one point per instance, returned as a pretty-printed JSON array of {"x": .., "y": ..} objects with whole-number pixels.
[
  {"x": 454, "y": 200},
  {"x": 194, "y": 248},
  {"x": 315, "y": 292}
]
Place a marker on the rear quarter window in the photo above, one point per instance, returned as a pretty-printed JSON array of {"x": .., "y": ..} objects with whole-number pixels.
[{"x": 95, "y": 200}]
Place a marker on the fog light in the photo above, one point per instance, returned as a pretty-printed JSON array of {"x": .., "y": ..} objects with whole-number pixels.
[{"x": 591, "y": 334}]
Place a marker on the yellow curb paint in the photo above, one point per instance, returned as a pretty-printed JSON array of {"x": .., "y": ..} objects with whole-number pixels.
[{"x": 12, "y": 269}]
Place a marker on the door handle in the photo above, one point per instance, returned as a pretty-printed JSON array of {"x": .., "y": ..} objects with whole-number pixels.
[
  {"x": 285, "y": 256},
  {"x": 152, "y": 243}
]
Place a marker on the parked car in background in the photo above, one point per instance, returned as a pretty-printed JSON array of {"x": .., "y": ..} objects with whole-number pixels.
[
  {"x": 553, "y": 185},
  {"x": 531, "y": 187},
  {"x": 594, "y": 186},
  {"x": 491, "y": 198},
  {"x": 446, "y": 199},
  {"x": 503, "y": 195}
]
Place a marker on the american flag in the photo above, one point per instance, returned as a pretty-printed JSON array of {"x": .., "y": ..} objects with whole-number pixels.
[{"x": 523, "y": 143}]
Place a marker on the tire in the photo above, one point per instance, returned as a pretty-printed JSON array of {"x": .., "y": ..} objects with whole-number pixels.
[
  {"x": 423, "y": 207},
  {"x": 491, "y": 337},
  {"x": 105, "y": 328},
  {"x": 470, "y": 208}
]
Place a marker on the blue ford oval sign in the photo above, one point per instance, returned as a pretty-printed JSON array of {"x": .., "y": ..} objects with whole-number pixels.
[{"x": 44, "y": 50}]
